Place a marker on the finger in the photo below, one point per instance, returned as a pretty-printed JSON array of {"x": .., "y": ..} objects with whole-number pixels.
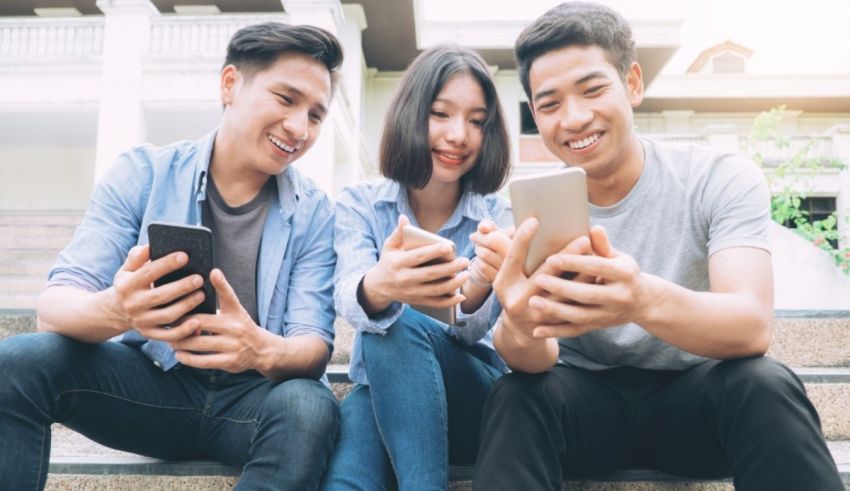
[
  {"x": 590, "y": 265},
  {"x": 435, "y": 272},
  {"x": 396, "y": 238},
  {"x": 565, "y": 330},
  {"x": 577, "y": 291},
  {"x": 227, "y": 299},
  {"x": 563, "y": 312},
  {"x": 441, "y": 287},
  {"x": 497, "y": 241},
  {"x": 421, "y": 255},
  {"x": 486, "y": 226},
  {"x": 514, "y": 262},
  {"x": 205, "y": 343},
  {"x": 577, "y": 246},
  {"x": 487, "y": 271},
  {"x": 136, "y": 258},
  {"x": 198, "y": 360},
  {"x": 166, "y": 316},
  {"x": 488, "y": 257},
  {"x": 158, "y": 268},
  {"x": 167, "y": 293},
  {"x": 600, "y": 243},
  {"x": 176, "y": 333},
  {"x": 441, "y": 302}
]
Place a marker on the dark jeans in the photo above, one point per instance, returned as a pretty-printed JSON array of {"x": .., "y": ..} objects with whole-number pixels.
[
  {"x": 281, "y": 434},
  {"x": 747, "y": 418}
]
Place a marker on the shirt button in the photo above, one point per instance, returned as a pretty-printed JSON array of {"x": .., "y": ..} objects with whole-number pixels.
[{"x": 157, "y": 364}]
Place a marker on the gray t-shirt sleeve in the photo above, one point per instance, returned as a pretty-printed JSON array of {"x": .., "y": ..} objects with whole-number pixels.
[{"x": 736, "y": 204}]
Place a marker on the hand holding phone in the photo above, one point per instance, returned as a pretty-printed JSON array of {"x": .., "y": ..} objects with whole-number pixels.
[
  {"x": 414, "y": 238},
  {"x": 196, "y": 242},
  {"x": 559, "y": 202}
]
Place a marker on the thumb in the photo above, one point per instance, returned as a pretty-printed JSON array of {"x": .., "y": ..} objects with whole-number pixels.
[
  {"x": 136, "y": 258},
  {"x": 600, "y": 243},
  {"x": 227, "y": 299},
  {"x": 396, "y": 239}
]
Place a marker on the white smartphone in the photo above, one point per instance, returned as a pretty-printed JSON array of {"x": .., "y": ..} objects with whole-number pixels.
[
  {"x": 414, "y": 238},
  {"x": 559, "y": 202}
]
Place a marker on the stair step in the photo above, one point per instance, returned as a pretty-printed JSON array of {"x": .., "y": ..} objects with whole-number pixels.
[
  {"x": 25, "y": 267},
  {"x": 22, "y": 285},
  {"x": 79, "y": 463},
  {"x": 17, "y": 302},
  {"x": 56, "y": 242},
  {"x": 30, "y": 254},
  {"x": 41, "y": 217},
  {"x": 38, "y": 230}
]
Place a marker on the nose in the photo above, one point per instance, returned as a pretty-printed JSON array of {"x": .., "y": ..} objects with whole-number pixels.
[
  {"x": 297, "y": 125},
  {"x": 456, "y": 131},
  {"x": 575, "y": 116}
]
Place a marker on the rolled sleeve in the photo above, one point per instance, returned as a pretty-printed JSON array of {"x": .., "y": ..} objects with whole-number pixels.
[{"x": 309, "y": 302}]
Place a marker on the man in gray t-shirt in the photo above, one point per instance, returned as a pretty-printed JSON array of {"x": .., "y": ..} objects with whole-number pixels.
[{"x": 652, "y": 356}]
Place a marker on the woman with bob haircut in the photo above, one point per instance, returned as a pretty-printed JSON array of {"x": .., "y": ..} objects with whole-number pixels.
[{"x": 421, "y": 383}]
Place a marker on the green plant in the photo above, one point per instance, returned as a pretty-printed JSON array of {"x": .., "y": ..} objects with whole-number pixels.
[{"x": 794, "y": 174}]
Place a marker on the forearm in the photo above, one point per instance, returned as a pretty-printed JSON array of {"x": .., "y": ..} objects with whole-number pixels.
[
  {"x": 294, "y": 357},
  {"x": 370, "y": 299},
  {"x": 521, "y": 352},
  {"x": 78, "y": 314},
  {"x": 710, "y": 324}
]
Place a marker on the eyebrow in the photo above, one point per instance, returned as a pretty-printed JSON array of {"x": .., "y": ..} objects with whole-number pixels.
[
  {"x": 590, "y": 76},
  {"x": 446, "y": 101},
  {"x": 299, "y": 93}
]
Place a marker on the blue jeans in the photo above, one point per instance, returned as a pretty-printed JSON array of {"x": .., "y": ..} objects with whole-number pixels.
[
  {"x": 282, "y": 434},
  {"x": 422, "y": 410}
]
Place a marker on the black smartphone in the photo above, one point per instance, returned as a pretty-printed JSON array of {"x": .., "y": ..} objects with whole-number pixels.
[{"x": 197, "y": 243}]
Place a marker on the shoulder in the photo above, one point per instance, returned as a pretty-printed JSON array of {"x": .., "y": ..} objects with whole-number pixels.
[
  {"x": 495, "y": 205},
  {"x": 701, "y": 165},
  {"x": 308, "y": 193},
  {"x": 368, "y": 193}
]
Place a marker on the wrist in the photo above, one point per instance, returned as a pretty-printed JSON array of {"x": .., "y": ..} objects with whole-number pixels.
[
  {"x": 109, "y": 305},
  {"x": 370, "y": 297},
  {"x": 515, "y": 334}
]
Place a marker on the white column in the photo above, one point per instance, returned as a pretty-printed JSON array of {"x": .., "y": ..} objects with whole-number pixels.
[
  {"x": 125, "y": 40},
  {"x": 841, "y": 151},
  {"x": 320, "y": 162},
  {"x": 723, "y": 137}
]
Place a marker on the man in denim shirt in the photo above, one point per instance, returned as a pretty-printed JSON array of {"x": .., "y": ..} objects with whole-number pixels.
[{"x": 248, "y": 394}]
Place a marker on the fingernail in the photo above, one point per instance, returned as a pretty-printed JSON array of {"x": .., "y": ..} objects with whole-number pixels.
[
  {"x": 197, "y": 281},
  {"x": 181, "y": 258},
  {"x": 199, "y": 296},
  {"x": 445, "y": 249},
  {"x": 535, "y": 302}
]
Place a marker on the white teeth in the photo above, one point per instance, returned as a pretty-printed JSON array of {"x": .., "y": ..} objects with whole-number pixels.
[
  {"x": 283, "y": 146},
  {"x": 584, "y": 142},
  {"x": 452, "y": 156}
]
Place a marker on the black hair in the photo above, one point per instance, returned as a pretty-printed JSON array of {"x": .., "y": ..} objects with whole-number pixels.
[
  {"x": 256, "y": 47},
  {"x": 405, "y": 154},
  {"x": 575, "y": 24}
]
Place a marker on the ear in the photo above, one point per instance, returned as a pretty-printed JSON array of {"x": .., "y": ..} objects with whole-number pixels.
[
  {"x": 230, "y": 78},
  {"x": 634, "y": 84}
]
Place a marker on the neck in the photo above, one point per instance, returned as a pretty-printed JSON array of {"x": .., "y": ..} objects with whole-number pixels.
[
  {"x": 237, "y": 182},
  {"x": 609, "y": 188},
  {"x": 434, "y": 204}
]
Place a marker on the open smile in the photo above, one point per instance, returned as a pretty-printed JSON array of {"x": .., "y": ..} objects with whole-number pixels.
[
  {"x": 450, "y": 158},
  {"x": 281, "y": 145},
  {"x": 584, "y": 143}
]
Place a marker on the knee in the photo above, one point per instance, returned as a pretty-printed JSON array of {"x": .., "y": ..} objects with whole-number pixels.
[
  {"x": 519, "y": 391},
  {"x": 412, "y": 328},
  {"x": 25, "y": 355},
  {"x": 760, "y": 381},
  {"x": 304, "y": 404}
]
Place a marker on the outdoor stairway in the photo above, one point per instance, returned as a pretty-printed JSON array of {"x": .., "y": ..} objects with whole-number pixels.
[
  {"x": 29, "y": 244},
  {"x": 815, "y": 343}
]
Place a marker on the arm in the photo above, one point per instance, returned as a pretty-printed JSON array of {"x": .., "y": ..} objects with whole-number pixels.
[{"x": 732, "y": 320}]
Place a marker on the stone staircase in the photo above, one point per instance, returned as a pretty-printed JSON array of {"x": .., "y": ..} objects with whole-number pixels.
[{"x": 815, "y": 343}]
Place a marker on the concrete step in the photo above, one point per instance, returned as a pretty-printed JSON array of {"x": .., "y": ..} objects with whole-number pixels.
[
  {"x": 22, "y": 285},
  {"x": 79, "y": 463},
  {"x": 38, "y": 230},
  {"x": 25, "y": 267},
  {"x": 16, "y": 302},
  {"x": 41, "y": 217},
  {"x": 55, "y": 242},
  {"x": 30, "y": 254}
]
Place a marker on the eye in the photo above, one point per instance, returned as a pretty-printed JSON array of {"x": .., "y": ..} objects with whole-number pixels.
[
  {"x": 477, "y": 122},
  {"x": 285, "y": 99},
  {"x": 594, "y": 90},
  {"x": 546, "y": 106},
  {"x": 315, "y": 118},
  {"x": 438, "y": 114}
]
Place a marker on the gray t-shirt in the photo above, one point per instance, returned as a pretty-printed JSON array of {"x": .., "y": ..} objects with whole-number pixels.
[
  {"x": 237, "y": 232},
  {"x": 688, "y": 203}
]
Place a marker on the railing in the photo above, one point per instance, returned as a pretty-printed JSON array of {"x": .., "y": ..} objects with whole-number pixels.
[
  {"x": 179, "y": 36},
  {"x": 678, "y": 138},
  {"x": 808, "y": 147},
  {"x": 34, "y": 38}
]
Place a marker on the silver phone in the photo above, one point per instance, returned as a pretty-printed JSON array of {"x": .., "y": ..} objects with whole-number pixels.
[
  {"x": 414, "y": 238},
  {"x": 559, "y": 202}
]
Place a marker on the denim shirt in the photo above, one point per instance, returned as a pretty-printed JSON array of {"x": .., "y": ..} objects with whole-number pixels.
[
  {"x": 366, "y": 214},
  {"x": 149, "y": 183}
]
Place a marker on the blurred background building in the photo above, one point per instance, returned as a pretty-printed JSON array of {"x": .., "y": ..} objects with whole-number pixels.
[{"x": 82, "y": 80}]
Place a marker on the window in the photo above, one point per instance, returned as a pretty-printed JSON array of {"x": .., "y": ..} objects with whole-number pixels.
[
  {"x": 526, "y": 121},
  {"x": 817, "y": 209},
  {"x": 728, "y": 63}
]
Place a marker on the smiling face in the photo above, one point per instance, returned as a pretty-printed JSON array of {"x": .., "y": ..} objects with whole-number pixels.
[
  {"x": 583, "y": 109},
  {"x": 455, "y": 128},
  {"x": 274, "y": 116}
]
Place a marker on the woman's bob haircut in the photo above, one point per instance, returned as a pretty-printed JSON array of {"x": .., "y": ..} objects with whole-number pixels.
[{"x": 405, "y": 155}]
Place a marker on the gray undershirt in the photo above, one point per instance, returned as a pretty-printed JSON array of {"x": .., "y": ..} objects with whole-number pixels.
[{"x": 237, "y": 232}]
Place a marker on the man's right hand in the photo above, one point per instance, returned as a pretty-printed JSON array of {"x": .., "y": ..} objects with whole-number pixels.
[{"x": 142, "y": 305}]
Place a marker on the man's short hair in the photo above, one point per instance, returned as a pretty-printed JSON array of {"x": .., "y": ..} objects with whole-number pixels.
[
  {"x": 255, "y": 48},
  {"x": 405, "y": 155},
  {"x": 575, "y": 24}
]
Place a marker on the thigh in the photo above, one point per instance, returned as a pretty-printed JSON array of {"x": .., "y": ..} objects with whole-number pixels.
[{"x": 113, "y": 394}]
